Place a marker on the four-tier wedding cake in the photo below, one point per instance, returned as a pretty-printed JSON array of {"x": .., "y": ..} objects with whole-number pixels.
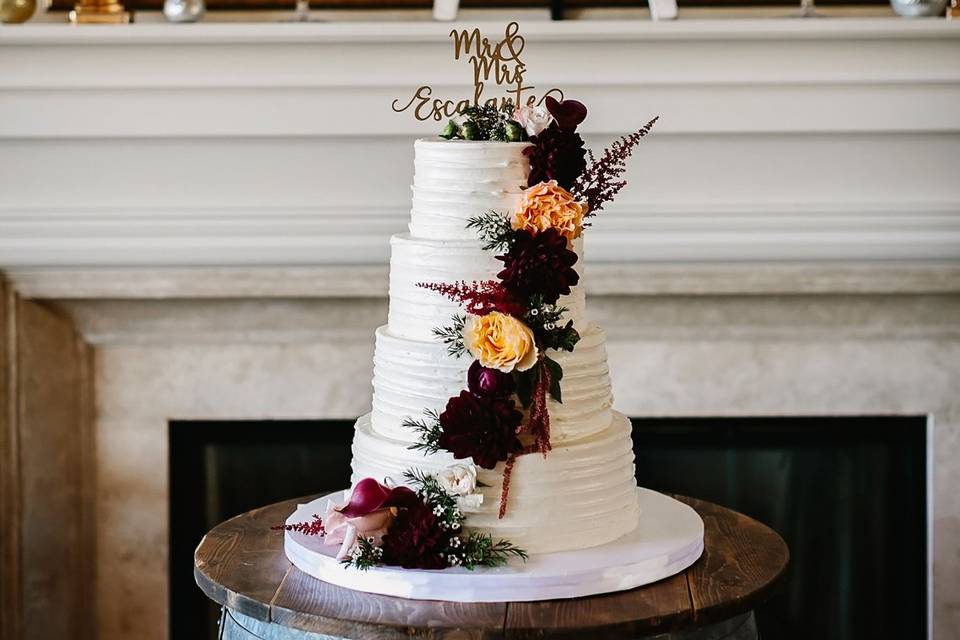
[
  {"x": 492, "y": 435},
  {"x": 582, "y": 492}
]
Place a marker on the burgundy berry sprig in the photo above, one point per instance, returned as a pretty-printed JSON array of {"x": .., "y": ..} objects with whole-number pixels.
[{"x": 601, "y": 181}]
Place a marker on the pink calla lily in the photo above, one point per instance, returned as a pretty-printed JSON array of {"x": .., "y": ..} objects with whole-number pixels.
[{"x": 369, "y": 496}]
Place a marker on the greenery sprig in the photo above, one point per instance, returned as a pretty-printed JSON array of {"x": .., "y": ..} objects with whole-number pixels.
[
  {"x": 486, "y": 122},
  {"x": 428, "y": 430},
  {"x": 444, "y": 505},
  {"x": 494, "y": 230},
  {"x": 479, "y": 550},
  {"x": 364, "y": 555},
  {"x": 452, "y": 335}
]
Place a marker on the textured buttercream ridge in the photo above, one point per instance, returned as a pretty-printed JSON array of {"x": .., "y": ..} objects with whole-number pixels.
[
  {"x": 411, "y": 376},
  {"x": 567, "y": 493}
]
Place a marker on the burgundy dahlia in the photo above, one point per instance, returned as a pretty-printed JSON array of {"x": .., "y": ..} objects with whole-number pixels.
[
  {"x": 480, "y": 427},
  {"x": 539, "y": 264},
  {"x": 492, "y": 383},
  {"x": 416, "y": 540},
  {"x": 556, "y": 154}
]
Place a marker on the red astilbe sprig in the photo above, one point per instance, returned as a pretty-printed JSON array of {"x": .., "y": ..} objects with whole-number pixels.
[
  {"x": 539, "y": 422},
  {"x": 314, "y": 528},
  {"x": 480, "y": 297},
  {"x": 505, "y": 488},
  {"x": 601, "y": 180}
]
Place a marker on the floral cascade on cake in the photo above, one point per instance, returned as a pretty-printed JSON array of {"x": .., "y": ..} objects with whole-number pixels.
[
  {"x": 514, "y": 322},
  {"x": 421, "y": 529},
  {"x": 492, "y": 433}
]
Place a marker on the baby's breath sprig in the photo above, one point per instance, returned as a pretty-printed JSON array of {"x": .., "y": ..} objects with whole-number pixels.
[
  {"x": 365, "y": 554},
  {"x": 429, "y": 431},
  {"x": 444, "y": 505},
  {"x": 452, "y": 336},
  {"x": 494, "y": 230}
]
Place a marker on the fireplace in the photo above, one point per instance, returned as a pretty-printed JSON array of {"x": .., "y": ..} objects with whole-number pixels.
[
  {"x": 219, "y": 469},
  {"x": 850, "y": 495}
]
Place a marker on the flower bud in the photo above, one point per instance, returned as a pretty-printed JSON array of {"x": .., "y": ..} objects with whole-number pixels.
[
  {"x": 489, "y": 382},
  {"x": 452, "y": 130}
]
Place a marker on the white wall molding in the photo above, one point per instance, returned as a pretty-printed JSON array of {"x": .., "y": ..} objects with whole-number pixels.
[
  {"x": 174, "y": 237},
  {"x": 608, "y": 280},
  {"x": 244, "y": 145}
]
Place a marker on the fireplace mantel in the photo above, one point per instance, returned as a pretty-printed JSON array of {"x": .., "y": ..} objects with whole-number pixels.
[
  {"x": 155, "y": 146},
  {"x": 211, "y": 204}
]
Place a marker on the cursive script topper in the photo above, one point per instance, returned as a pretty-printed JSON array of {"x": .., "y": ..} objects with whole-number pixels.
[{"x": 496, "y": 62}]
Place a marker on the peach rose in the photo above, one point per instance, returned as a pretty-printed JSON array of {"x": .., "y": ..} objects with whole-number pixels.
[
  {"x": 547, "y": 205},
  {"x": 500, "y": 341}
]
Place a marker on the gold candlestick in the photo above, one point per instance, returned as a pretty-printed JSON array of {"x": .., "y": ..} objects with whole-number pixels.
[{"x": 99, "y": 12}]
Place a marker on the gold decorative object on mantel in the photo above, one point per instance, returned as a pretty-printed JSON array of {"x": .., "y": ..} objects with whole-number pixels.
[
  {"x": 16, "y": 11},
  {"x": 99, "y": 12}
]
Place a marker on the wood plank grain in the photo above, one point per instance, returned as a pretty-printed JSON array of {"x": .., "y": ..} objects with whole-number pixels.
[
  {"x": 240, "y": 563},
  {"x": 306, "y": 603},
  {"x": 10, "y": 605},
  {"x": 742, "y": 564},
  {"x": 659, "y": 607},
  {"x": 52, "y": 365}
]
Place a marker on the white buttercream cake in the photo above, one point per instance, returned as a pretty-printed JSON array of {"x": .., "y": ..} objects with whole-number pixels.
[{"x": 583, "y": 492}]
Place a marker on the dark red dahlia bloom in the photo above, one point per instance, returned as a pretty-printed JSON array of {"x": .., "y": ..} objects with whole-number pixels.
[
  {"x": 416, "y": 540},
  {"x": 567, "y": 114},
  {"x": 541, "y": 264},
  {"x": 556, "y": 154},
  {"x": 486, "y": 382},
  {"x": 480, "y": 427}
]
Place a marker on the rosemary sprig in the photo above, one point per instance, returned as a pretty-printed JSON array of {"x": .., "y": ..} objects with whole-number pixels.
[
  {"x": 452, "y": 336},
  {"x": 480, "y": 550},
  {"x": 429, "y": 431}
]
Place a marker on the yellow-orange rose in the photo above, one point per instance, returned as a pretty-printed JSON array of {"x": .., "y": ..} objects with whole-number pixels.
[
  {"x": 500, "y": 341},
  {"x": 547, "y": 205}
]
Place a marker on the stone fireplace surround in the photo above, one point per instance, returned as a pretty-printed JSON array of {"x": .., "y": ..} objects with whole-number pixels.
[
  {"x": 846, "y": 349},
  {"x": 789, "y": 245}
]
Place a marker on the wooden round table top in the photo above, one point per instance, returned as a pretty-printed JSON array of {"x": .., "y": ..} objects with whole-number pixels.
[{"x": 241, "y": 565}]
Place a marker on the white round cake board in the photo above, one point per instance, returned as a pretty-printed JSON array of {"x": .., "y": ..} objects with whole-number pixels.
[{"x": 668, "y": 539}]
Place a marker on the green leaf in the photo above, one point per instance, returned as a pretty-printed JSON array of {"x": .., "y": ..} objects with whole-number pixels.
[
  {"x": 526, "y": 382},
  {"x": 556, "y": 375}
]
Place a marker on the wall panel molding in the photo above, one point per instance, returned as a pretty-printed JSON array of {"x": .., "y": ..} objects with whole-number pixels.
[{"x": 47, "y": 494}]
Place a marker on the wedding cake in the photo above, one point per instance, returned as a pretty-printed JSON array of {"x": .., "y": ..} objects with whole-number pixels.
[
  {"x": 492, "y": 435},
  {"x": 582, "y": 492}
]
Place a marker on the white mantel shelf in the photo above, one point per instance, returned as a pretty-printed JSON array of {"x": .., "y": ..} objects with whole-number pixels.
[
  {"x": 273, "y": 145},
  {"x": 535, "y": 31}
]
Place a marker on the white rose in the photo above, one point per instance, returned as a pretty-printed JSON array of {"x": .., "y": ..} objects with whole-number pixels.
[
  {"x": 458, "y": 479},
  {"x": 533, "y": 119}
]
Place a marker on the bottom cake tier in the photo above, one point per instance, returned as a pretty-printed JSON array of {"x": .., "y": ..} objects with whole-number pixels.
[{"x": 582, "y": 494}]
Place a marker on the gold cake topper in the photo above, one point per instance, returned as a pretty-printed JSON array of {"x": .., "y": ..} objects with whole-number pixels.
[{"x": 499, "y": 62}]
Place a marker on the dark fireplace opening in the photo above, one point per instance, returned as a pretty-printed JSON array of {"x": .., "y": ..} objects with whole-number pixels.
[{"x": 850, "y": 495}]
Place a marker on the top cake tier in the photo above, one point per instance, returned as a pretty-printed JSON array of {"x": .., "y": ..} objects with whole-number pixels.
[{"x": 457, "y": 179}]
